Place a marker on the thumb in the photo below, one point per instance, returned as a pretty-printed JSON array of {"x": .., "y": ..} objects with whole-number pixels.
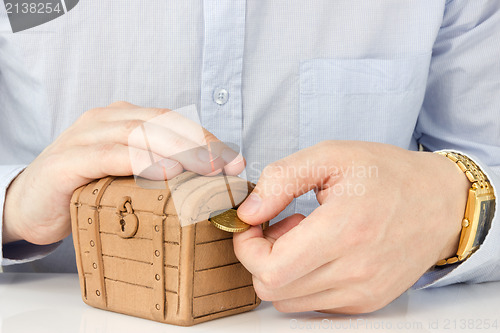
[{"x": 286, "y": 179}]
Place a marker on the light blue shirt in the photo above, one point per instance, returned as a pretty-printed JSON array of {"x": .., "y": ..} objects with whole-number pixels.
[{"x": 270, "y": 76}]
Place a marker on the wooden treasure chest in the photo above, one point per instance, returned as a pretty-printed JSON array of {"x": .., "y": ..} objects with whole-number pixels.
[{"x": 150, "y": 251}]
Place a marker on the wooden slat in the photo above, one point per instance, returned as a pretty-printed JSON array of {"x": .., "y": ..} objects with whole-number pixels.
[
  {"x": 98, "y": 293},
  {"x": 129, "y": 299},
  {"x": 142, "y": 199},
  {"x": 172, "y": 254},
  {"x": 223, "y": 301},
  {"x": 206, "y": 232},
  {"x": 220, "y": 279},
  {"x": 84, "y": 214},
  {"x": 186, "y": 271},
  {"x": 87, "y": 263},
  {"x": 214, "y": 254},
  {"x": 172, "y": 229},
  {"x": 171, "y": 280},
  {"x": 86, "y": 197},
  {"x": 137, "y": 249},
  {"x": 158, "y": 272},
  {"x": 75, "y": 205},
  {"x": 130, "y": 271},
  {"x": 172, "y": 305}
]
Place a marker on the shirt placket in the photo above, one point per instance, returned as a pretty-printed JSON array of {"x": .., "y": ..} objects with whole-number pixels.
[{"x": 221, "y": 102}]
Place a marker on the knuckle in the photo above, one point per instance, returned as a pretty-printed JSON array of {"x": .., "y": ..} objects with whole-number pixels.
[
  {"x": 369, "y": 299},
  {"x": 354, "y": 240},
  {"x": 361, "y": 273},
  {"x": 92, "y": 113},
  {"x": 262, "y": 292},
  {"x": 120, "y": 104},
  {"x": 326, "y": 144},
  {"x": 275, "y": 170},
  {"x": 159, "y": 111},
  {"x": 361, "y": 233},
  {"x": 271, "y": 280},
  {"x": 130, "y": 125}
]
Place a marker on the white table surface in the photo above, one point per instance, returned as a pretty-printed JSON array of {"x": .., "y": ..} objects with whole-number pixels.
[{"x": 52, "y": 303}]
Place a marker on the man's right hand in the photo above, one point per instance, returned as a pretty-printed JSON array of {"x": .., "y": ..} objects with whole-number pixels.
[{"x": 100, "y": 144}]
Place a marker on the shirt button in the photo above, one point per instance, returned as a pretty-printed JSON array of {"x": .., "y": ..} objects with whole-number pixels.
[{"x": 221, "y": 96}]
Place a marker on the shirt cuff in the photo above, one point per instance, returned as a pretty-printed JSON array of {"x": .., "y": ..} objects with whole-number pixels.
[
  {"x": 17, "y": 252},
  {"x": 483, "y": 265}
]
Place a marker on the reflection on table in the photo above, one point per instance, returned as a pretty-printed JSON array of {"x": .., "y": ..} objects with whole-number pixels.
[{"x": 52, "y": 303}]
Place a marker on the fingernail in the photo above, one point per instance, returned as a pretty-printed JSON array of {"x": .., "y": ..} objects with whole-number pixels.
[
  {"x": 251, "y": 205},
  {"x": 205, "y": 155},
  {"x": 231, "y": 157}
]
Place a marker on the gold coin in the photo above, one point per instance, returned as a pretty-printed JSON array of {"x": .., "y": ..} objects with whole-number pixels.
[{"x": 229, "y": 221}]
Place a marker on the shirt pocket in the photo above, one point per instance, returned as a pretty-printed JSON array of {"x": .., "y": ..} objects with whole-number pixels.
[{"x": 374, "y": 100}]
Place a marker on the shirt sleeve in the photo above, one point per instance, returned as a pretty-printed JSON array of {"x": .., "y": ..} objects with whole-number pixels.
[
  {"x": 18, "y": 252},
  {"x": 461, "y": 112},
  {"x": 23, "y": 135}
]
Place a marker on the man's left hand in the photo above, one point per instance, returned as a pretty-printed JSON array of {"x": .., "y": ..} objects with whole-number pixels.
[{"x": 386, "y": 216}]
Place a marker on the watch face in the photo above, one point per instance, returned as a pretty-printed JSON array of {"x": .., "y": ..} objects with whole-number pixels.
[{"x": 485, "y": 217}]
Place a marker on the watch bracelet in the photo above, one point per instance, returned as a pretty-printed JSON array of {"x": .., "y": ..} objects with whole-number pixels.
[{"x": 479, "y": 182}]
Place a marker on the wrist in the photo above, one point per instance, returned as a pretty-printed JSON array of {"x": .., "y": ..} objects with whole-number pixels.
[
  {"x": 458, "y": 188},
  {"x": 11, "y": 213}
]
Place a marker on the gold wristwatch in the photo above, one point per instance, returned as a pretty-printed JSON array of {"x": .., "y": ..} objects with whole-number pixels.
[{"x": 478, "y": 212}]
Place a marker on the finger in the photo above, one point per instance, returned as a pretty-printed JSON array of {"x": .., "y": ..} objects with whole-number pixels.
[
  {"x": 133, "y": 116},
  {"x": 187, "y": 135},
  {"x": 165, "y": 141},
  {"x": 234, "y": 163},
  {"x": 282, "y": 181},
  {"x": 170, "y": 144},
  {"x": 93, "y": 162},
  {"x": 122, "y": 111},
  {"x": 280, "y": 228},
  {"x": 329, "y": 299},
  {"x": 338, "y": 274},
  {"x": 294, "y": 254},
  {"x": 160, "y": 141},
  {"x": 162, "y": 170},
  {"x": 253, "y": 250},
  {"x": 356, "y": 299}
]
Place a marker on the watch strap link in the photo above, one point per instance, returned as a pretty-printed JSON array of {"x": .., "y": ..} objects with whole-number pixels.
[{"x": 479, "y": 182}]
